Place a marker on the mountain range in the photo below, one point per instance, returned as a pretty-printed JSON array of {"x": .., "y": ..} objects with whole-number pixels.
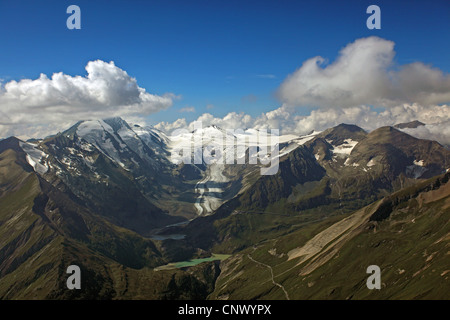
[{"x": 105, "y": 195}]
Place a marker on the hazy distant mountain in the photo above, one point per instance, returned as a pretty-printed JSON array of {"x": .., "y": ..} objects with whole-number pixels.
[{"x": 412, "y": 124}]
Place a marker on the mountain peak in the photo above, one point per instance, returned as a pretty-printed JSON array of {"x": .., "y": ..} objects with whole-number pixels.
[
  {"x": 10, "y": 143},
  {"x": 409, "y": 125},
  {"x": 348, "y": 127},
  {"x": 209, "y": 129},
  {"x": 343, "y": 131},
  {"x": 388, "y": 134},
  {"x": 114, "y": 120},
  {"x": 385, "y": 130},
  {"x": 116, "y": 123}
]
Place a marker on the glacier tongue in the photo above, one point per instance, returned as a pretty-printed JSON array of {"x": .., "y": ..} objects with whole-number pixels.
[
  {"x": 124, "y": 144},
  {"x": 210, "y": 189}
]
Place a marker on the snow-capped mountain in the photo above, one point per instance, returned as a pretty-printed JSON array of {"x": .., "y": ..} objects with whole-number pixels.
[
  {"x": 122, "y": 143},
  {"x": 215, "y": 165},
  {"x": 75, "y": 196},
  {"x": 145, "y": 157}
]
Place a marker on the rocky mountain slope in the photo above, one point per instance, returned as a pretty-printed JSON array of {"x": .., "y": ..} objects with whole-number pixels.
[
  {"x": 338, "y": 171},
  {"x": 97, "y": 194},
  {"x": 44, "y": 230},
  {"x": 406, "y": 234}
]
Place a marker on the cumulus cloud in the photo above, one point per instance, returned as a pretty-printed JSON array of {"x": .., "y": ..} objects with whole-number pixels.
[
  {"x": 59, "y": 101},
  {"x": 364, "y": 74},
  {"x": 369, "y": 119},
  {"x": 439, "y": 132},
  {"x": 285, "y": 119},
  {"x": 363, "y": 80},
  {"x": 170, "y": 126},
  {"x": 232, "y": 120}
]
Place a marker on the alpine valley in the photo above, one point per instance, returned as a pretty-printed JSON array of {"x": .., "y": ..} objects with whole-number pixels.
[{"x": 104, "y": 195}]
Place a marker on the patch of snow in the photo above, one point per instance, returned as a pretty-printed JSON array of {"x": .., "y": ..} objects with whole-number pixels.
[
  {"x": 35, "y": 157},
  {"x": 110, "y": 130},
  {"x": 230, "y": 142},
  {"x": 72, "y": 151},
  {"x": 415, "y": 170},
  {"x": 132, "y": 140},
  {"x": 303, "y": 140},
  {"x": 287, "y": 138},
  {"x": 370, "y": 163},
  {"x": 151, "y": 136},
  {"x": 94, "y": 132},
  {"x": 287, "y": 149},
  {"x": 345, "y": 148},
  {"x": 347, "y": 163},
  {"x": 418, "y": 163},
  {"x": 89, "y": 161}
]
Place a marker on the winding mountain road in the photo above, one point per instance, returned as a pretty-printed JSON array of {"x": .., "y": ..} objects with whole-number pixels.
[{"x": 271, "y": 272}]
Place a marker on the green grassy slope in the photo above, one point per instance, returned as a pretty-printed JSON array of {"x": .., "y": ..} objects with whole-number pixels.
[{"x": 406, "y": 235}]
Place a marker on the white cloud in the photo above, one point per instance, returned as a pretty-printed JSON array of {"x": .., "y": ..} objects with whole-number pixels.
[
  {"x": 439, "y": 132},
  {"x": 364, "y": 74},
  {"x": 59, "y": 101},
  {"x": 187, "y": 109},
  {"x": 288, "y": 122},
  {"x": 368, "y": 119},
  {"x": 170, "y": 126},
  {"x": 232, "y": 120}
]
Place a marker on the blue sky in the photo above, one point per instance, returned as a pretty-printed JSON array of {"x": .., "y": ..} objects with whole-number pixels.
[{"x": 232, "y": 55}]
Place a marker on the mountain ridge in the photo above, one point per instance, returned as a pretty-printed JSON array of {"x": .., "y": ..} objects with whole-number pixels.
[{"x": 91, "y": 197}]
